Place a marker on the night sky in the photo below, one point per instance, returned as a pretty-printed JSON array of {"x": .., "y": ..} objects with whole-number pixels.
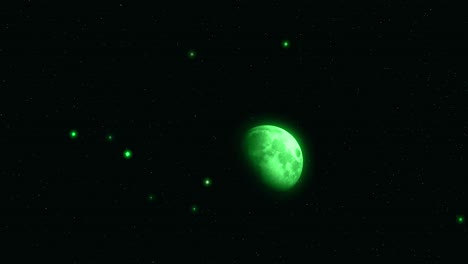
[{"x": 377, "y": 95}]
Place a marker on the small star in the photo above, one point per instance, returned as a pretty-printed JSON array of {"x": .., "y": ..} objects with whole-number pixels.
[
  {"x": 207, "y": 182},
  {"x": 110, "y": 137},
  {"x": 151, "y": 197},
  {"x": 285, "y": 44},
  {"x": 460, "y": 219},
  {"x": 191, "y": 54},
  {"x": 127, "y": 154},
  {"x": 194, "y": 208},
  {"x": 73, "y": 134}
]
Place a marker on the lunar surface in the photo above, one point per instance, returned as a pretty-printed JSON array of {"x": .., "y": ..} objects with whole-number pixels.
[{"x": 275, "y": 155}]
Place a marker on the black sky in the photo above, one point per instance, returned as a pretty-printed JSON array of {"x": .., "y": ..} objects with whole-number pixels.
[{"x": 376, "y": 93}]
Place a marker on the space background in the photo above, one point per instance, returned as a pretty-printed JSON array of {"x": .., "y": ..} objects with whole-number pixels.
[{"x": 114, "y": 116}]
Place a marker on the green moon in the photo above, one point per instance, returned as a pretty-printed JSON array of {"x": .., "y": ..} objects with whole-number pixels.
[{"x": 275, "y": 155}]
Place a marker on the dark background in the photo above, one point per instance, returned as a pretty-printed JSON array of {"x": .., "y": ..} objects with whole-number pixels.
[{"x": 376, "y": 93}]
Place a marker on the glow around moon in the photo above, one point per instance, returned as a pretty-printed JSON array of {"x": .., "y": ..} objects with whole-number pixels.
[{"x": 275, "y": 155}]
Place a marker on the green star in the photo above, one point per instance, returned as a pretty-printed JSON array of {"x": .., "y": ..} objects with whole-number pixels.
[
  {"x": 207, "y": 182},
  {"x": 151, "y": 197},
  {"x": 191, "y": 54},
  {"x": 285, "y": 44},
  {"x": 460, "y": 219},
  {"x": 194, "y": 208},
  {"x": 73, "y": 134},
  {"x": 127, "y": 154},
  {"x": 110, "y": 137}
]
